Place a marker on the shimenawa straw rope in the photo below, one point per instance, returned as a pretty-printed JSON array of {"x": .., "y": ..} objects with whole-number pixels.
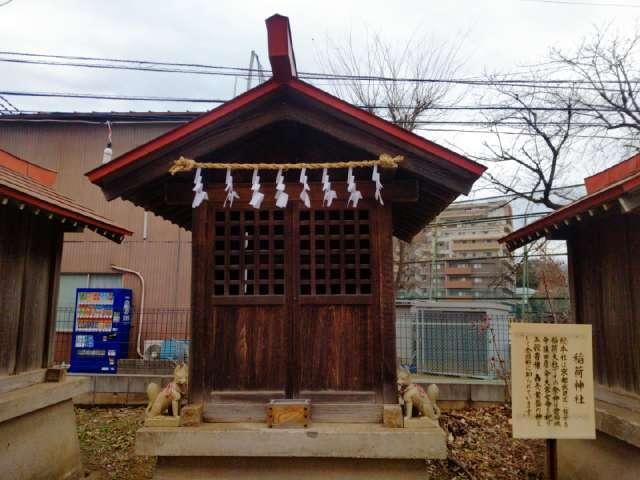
[{"x": 188, "y": 164}]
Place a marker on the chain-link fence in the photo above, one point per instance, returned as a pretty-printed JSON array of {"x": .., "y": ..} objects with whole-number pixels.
[
  {"x": 472, "y": 344},
  {"x": 434, "y": 340},
  {"x": 429, "y": 340}
]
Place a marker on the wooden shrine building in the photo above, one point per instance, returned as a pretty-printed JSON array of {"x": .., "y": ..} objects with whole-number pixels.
[
  {"x": 294, "y": 302},
  {"x": 35, "y": 415},
  {"x": 602, "y": 232}
]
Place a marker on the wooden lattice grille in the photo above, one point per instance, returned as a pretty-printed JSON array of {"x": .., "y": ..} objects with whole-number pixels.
[
  {"x": 335, "y": 252},
  {"x": 249, "y": 247}
]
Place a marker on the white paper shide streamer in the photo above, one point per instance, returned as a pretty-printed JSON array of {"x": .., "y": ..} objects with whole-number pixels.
[
  {"x": 256, "y": 196},
  {"x": 376, "y": 179},
  {"x": 281, "y": 196},
  {"x": 329, "y": 195},
  {"x": 354, "y": 194},
  {"x": 231, "y": 193},
  {"x": 198, "y": 187},
  {"x": 304, "y": 194}
]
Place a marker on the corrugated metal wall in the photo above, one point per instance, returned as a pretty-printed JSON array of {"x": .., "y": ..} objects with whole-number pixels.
[{"x": 73, "y": 149}]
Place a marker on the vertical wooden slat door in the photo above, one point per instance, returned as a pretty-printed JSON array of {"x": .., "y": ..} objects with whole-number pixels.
[
  {"x": 248, "y": 308},
  {"x": 336, "y": 329}
]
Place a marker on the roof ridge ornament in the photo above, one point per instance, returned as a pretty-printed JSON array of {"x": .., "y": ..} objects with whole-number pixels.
[{"x": 281, "y": 56}]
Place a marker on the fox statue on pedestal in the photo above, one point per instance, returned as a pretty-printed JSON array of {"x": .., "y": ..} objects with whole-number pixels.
[
  {"x": 412, "y": 395},
  {"x": 161, "y": 398}
]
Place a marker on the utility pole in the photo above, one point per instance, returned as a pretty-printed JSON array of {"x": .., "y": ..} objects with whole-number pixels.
[
  {"x": 434, "y": 256},
  {"x": 525, "y": 280},
  {"x": 260, "y": 71}
]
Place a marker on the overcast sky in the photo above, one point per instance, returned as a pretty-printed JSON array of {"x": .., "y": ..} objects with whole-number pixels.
[{"x": 499, "y": 35}]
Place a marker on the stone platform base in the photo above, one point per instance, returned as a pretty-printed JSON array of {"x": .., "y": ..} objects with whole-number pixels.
[
  {"x": 323, "y": 451},
  {"x": 320, "y": 440},
  {"x": 41, "y": 445},
  {"x": 38, "y": 438},
  {"x": 603, "y": 458},
  {"x": 280, "y": 468}
]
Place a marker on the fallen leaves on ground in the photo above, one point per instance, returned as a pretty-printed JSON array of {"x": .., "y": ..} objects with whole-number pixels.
[
  {"x": 107, "y": 439},
  {"x": 481, "y": 448}
]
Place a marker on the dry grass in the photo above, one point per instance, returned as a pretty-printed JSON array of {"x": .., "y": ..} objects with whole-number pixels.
[{"x": 107, "y": 437}]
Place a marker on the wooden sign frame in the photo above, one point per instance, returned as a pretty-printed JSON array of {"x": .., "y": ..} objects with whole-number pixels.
[{"x": 552, "y": 381}]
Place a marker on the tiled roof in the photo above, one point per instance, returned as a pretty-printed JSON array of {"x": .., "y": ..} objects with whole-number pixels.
[{"x": 26, "y": 190}]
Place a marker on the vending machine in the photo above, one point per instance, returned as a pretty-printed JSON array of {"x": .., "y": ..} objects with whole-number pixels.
[{"x": 100, "y": 329}]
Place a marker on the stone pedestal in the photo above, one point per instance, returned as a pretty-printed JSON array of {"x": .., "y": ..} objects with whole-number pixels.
[
  {"x": 38, "y": 438},
  {"x": 322, "y": 451}
]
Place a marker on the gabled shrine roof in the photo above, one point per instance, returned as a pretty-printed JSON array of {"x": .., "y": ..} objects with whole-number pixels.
[
  {"x": 443, "y": 174},
  {"x": 263, "y": 90}
]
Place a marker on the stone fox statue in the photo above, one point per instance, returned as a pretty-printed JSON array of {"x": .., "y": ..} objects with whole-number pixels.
[
  {"x": 413, "y": 395},
  {"x": 161, "y": 398}
]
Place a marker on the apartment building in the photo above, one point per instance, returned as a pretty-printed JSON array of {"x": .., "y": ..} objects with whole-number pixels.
[{"x": 458, "y": 255}]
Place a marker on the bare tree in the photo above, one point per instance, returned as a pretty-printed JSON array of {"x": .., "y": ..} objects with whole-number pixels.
[
  {"x": 596, "y": 107},
  {"x": 373, "y": 72},
  {"x": 536, "y": 155},
  {"x": 608, "y": 69},
  {"x": 373, "y": 85}
]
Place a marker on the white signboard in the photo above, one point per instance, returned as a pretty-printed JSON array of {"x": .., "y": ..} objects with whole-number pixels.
[{"x": 552, "y": 381}]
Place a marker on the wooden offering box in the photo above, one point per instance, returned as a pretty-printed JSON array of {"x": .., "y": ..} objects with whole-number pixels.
[{"x": 286, "y": 413}]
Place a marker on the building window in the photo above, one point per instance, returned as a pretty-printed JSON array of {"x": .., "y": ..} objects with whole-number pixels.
[
  {"x": 69, "y": 283},
  {"x": 477, "y": 266}
]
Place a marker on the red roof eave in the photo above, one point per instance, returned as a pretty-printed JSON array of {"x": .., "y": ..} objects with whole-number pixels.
[
  {"x": 387, "y": 127},
  {"x": 63, "y": 212},
  {"x": 98, "y": 174},
  {"x": 566, "y": 213}
]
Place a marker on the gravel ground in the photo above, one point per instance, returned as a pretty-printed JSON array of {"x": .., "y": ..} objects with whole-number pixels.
[{"x": 480, "y": 446}]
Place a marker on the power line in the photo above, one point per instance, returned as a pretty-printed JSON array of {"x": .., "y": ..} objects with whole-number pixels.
[
  {"x": 119, "y": 97},
  {"x": 122, "y": 60},
  {"x": 578, "y": 3},
  {"x": 488, "y": 219},
  {"x": 530, "y": 134},
  {"x": 216, "y": 100},
  {"x": 409, "y": 295},
  {"x": 106, "y": 96},
  {"x": 161, "y": 119},
  {"x": 470, "y": 259},
  {"x": 204, "y": 69},
  {"x": 512, "y": 195}
]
